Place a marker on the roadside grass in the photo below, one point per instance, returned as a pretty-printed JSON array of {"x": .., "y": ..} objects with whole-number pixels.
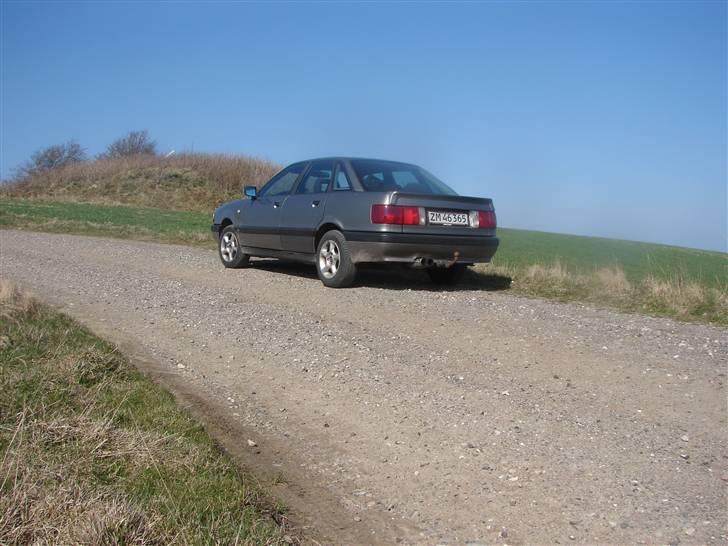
[
  {"x": 675, "y": 297},
  {"x": 521, "y": 249},
  {"x": 92, "y": 452},
  {"x": 661, "y": 280}
]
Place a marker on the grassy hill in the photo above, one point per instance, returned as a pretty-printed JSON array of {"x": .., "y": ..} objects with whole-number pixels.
[
  {"x": 170, "y": 200},
  {"x": 190, "y": 182}
]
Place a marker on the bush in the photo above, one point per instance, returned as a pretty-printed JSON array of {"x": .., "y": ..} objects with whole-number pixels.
[
  {"x": 133, "y": 143},
  {"x": 52, "y": 157}
]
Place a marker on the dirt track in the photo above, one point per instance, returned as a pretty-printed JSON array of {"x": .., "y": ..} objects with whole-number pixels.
[{"x": 396, "y": 412}]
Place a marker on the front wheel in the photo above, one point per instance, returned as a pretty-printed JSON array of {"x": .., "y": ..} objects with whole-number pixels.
[
  {"x": 230, "y": 253},
  {"x": 333, "y": 261}
]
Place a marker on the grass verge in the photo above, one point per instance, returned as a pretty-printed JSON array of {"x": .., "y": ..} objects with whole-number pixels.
[
  {"x": 95, "y": 453},
  {"x": 676, "y": 297},
  {"x": 681, "y": 283}
]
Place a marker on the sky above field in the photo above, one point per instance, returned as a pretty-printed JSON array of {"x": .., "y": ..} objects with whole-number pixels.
[{"x": 604, "y": 118}]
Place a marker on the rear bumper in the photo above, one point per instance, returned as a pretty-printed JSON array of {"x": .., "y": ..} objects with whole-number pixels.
[
  {"x": 216, "y": 230},
  {"x": 366, "y": 246}
]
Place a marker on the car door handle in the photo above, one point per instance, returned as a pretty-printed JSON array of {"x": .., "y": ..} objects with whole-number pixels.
[
  {"x": 276, "y": 204},
  {"x": 315, "y": 203}
]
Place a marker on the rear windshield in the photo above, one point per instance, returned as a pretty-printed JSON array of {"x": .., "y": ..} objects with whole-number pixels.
[{"x": 391, "y": 176}]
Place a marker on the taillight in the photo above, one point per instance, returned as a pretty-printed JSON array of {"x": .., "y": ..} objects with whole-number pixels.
[
  {"x": 410, "y": 216},
  {"x": 386, "y": 214},
  {"x": 486, "y": 219},
  {"x": 395, "y": 214}
]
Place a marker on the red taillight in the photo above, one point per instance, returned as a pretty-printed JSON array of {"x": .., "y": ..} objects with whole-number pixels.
[
  {"x": 486, "y": 219},
  {"x": 410, "y": 216},
  {"x": 386, "y": 214},
  {"x": 395, "y": 214}
]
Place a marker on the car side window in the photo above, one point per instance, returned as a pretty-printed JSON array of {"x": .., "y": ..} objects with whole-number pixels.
[
  {"x": 282, "y": 183},
  {"x": 341, "y": 182},
  {"x": 318, "y": 178}
]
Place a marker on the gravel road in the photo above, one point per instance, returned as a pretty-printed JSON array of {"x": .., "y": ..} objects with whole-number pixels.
[{"x": 396, "y": 412}]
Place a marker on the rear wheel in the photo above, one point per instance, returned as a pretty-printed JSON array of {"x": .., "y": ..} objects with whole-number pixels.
[
  {"x": 333, "y": 261},
  {"x": 447, "y": 275},
  {"x": 231, "y": 254}
]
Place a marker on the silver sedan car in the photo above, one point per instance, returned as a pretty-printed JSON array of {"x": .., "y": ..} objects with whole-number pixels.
[{"x": 340, "y": 212}]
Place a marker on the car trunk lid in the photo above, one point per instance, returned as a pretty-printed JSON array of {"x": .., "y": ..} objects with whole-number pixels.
[{"x": 444, "y": 213}]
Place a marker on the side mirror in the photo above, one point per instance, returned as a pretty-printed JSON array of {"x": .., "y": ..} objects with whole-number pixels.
[{"x": 251, "y": 192}]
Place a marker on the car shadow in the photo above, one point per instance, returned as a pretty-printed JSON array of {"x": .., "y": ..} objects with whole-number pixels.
[{"x": 393, "y": 278}]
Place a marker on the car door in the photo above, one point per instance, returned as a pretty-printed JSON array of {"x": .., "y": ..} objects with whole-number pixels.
[
  {"x": 258, "y": 219},
  {"x": 302, "y": 212}
]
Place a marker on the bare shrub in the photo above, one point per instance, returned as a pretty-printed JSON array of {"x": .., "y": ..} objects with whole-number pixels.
[
  {"x": 131, "y": 144},
  {"x": 52, "y": 157}
]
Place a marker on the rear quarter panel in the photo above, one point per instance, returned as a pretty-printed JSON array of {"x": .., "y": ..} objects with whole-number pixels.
[{"x": 351, "y": 210}]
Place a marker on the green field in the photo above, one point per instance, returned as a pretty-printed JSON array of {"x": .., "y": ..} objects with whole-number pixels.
[
  {"x": 522, "y": 248},
  {"x": 659, "y": 279},
  {"x": 518, "y": 248},
  {"x": 111, "y": 221}
]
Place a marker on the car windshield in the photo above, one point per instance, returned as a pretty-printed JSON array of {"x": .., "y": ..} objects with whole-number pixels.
[{"x": 377, "y": 175}]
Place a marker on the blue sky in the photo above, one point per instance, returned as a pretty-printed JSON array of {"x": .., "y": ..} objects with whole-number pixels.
[{"x": 594, "y": 118}]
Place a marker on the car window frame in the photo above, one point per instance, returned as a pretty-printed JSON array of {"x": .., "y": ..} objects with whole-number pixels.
[
  {"x": 340, "y": 166},
  {"x": 275, "y": 177},
  {"x": 304, "y": 175}
]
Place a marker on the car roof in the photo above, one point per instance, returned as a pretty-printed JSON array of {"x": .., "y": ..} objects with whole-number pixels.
[{"x": 349, "y": 158}]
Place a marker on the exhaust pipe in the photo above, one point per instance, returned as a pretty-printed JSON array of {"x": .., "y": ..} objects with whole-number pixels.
[{"x": 423, "y": 263}]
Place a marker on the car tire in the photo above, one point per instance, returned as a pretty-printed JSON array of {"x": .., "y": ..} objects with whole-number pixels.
[
  {"x": 230, "y": 251},
  {"x": 333, "y": 261},
  {"x": 447, "y": 276}
]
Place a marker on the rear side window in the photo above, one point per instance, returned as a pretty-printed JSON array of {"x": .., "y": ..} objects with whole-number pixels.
[
  {"x": 318, "y": 178},
  {"x": 282, "y": 183},
  {"x": 341, "y": 182},
  {"x": 385, "y": 176}
]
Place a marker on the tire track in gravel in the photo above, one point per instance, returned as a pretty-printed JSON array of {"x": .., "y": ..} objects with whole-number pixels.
[{"x": 415, "y": 414}]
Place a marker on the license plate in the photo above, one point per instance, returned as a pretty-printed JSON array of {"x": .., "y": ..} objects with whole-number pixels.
[{"x": 444, "y": 218}]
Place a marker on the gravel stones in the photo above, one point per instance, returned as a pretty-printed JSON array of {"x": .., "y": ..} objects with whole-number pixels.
[{"x": 509, "y": 409}]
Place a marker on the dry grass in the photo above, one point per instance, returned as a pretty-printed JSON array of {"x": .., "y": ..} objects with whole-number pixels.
[
  {"x": 675, "y": 297},
  {"x": 195, "y": 182},
  {"x": 613, "y": 279},
  {"x": 14, "y": 301},
  {"x": 36, "y": 512},
  {"x": 94, "y": 453},
  {"x": 686, "y": 298}
]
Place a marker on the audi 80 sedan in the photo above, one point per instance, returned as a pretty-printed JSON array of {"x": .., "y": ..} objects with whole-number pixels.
[{"x": 338, "y": 213}]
